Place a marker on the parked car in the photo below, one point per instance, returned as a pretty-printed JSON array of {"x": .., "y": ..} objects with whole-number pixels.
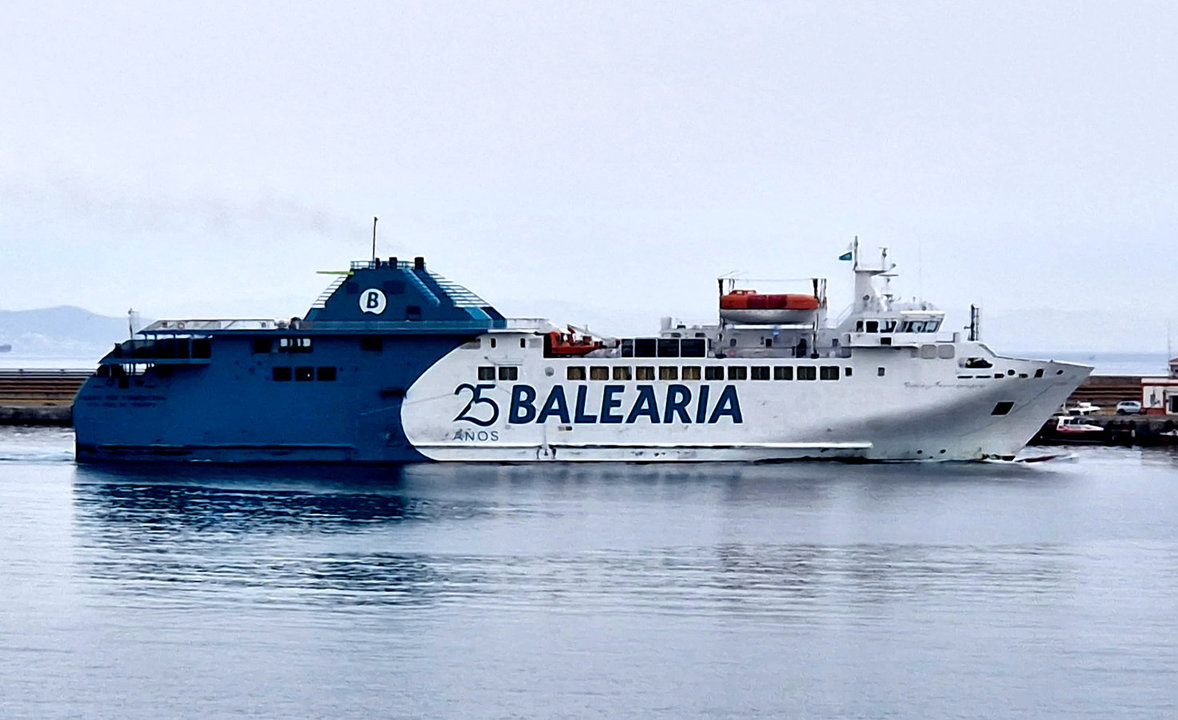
[{"x": 1128, "y": 407}]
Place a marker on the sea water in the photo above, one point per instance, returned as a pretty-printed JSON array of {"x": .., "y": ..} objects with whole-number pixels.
[{"x": 801, "y": 590}]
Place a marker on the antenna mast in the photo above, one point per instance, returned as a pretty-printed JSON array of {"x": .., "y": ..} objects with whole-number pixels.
[{"x": 374, "y": 219}]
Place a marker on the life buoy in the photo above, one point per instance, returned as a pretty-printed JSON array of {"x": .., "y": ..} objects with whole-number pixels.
[{"x": 180, "y": 325}]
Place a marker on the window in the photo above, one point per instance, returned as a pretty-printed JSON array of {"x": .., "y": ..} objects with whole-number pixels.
[
  {"x": 326, "y": 374},
  {"x": 713, "y": 373},
  {"x": 873, "y": 326},
  {"x": 783, "y": 372},
  {"x": 202, "y": 347},
  {"x": 888, "y": 326},
  {"x": 294, "y": 344},
  {"x": 282, "y": 374},
  {"x": 599, "y": 372},
  {"x": 628, "y": 347},
  {"x": 828, "y": 372},
  {"x": 372, "y": 343},
  {"x": 1039, "y": 373},
  {"x": 738, "y": 372},
  {"x": 575, "y": 372},
  {"x": 486, "y": 373},
  {"x": 622, "y": 372},
  {"x": 807, "y": 372},
  {"x": 493, "y": 342},
  {"x": 304, "y": 374},
  {"x": 1002, "y": 408},
  {"x": 691, "y": 372},
  {"x": 645, "y": 347},
  {"x": 262, "y": 345},
  {"x": 847, "y": 372},
  {"x": 508, "y": 373},
  {"x": 945, "y": 352},
  {"x": 523, "y": 343},
  {"x": 644, "y": 373},
  {"x": 693, "y": 347},
  {"x": 880, "y": 371},
  {"x": 412, "y": 312},
  {"x": 668, "y": 373},
  {"x": 759, "y": 372},
  {"x": 668, "y": 347}
]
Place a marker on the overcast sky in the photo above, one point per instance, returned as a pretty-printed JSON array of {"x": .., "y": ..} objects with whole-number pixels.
[{"x": 597, "y": 161}]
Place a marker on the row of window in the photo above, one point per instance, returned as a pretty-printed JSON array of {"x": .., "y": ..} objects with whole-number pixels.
[
  {"x": 304, "y": 374},
  {"x": 887, "y": 326},
  {"x": 664, "y": 347},
  {"x": 674, "y": 372}
]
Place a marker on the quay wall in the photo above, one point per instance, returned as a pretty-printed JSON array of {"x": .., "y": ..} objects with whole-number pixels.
[{"x": 39, "y": 397}]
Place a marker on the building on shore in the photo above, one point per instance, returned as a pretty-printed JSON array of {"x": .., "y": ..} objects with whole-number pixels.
[{"x": 1159, "y": 395}]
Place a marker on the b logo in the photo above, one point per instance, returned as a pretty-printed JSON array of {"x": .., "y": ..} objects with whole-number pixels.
[{"x": 372, "y": 301}]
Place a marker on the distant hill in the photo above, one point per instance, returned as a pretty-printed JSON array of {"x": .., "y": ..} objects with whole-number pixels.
[{"x": 64, "y": 331}]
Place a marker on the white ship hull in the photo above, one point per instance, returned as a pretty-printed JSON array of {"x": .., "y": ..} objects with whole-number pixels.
[{"x": 917, "y": 409}]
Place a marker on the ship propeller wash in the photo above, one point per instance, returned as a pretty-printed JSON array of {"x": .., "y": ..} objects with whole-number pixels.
[{"x": 395, "y": 363}]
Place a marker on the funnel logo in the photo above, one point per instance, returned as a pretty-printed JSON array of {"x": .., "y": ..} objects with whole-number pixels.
[{"x": 372, "y": 301}]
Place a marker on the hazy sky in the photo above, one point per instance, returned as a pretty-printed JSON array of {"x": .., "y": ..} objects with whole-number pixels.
[{"x": 596, "y": 161}]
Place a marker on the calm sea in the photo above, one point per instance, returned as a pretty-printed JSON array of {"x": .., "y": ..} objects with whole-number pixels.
[{"x": 776, "y": 591}]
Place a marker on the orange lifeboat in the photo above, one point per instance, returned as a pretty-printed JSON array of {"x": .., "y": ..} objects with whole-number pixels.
[
  {"x": 749, "y": 306},
  {"x": 558, "y": 344}
]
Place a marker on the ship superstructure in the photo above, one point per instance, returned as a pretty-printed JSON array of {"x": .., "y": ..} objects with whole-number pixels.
[{"x": 394, "y": 363}]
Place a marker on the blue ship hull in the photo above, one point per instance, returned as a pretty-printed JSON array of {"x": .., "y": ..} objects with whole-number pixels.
[{"x": 325, "y": 388}]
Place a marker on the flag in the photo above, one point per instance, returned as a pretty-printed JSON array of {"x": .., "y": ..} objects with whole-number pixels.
[{"x": 849, "y": 255}]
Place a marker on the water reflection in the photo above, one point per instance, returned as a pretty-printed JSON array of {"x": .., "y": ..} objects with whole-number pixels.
[{"x": 682, "y": 540}]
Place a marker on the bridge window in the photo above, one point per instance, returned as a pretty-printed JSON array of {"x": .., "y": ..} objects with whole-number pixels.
[
  {"x": 262, "y": 345},
  {"x": 783, "y": 372},
  {"x": 760, "y": 372},
  {"x": 807, "y": 372},
  {"x": 873, "y": 326},
  {"x": 486, "y": 373},
  {"x": 575, "y": 372},
  {"x": 644, "y": 372},
  {"x": 622, "y": 372},
  {"x": 691, "y": 372},
  {"x": 668, "y": 347},
  {"x": 738, "y": 372},
  {"x": 508, "y": 373},
  {"x": 713, "y": 373}
]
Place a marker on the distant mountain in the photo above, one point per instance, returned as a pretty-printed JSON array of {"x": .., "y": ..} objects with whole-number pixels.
[{"x": 64, "y": 331}]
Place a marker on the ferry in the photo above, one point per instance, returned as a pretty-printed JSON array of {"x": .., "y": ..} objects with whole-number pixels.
[{"x": 395, "y": 363}]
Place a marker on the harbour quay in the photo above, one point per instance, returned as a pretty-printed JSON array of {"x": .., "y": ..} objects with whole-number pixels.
[{"x": 39, "y": 396}]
